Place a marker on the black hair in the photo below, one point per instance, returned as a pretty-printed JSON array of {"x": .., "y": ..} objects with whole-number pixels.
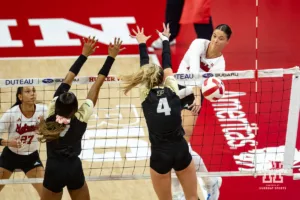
[
  {"x": 66, "y": 104},
  {"x": 18, "y": 101},
  {"x": 226, "y": 29}
]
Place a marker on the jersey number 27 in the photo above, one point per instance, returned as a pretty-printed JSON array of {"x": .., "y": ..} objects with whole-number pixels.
[{"x": 163, "y": 106}]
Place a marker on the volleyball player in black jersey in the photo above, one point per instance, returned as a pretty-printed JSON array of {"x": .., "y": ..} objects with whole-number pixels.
[
  {"x": 65, "y": 126},
  {"x": 162, "y": 111}
]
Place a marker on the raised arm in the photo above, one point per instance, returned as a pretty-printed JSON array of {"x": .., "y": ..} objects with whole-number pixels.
[
  {"x": 113, "y": 51},
  {"x": 166, "y": 52},
  {"x": 89, "y": 47},
  {"x": 141, "y": 39}
]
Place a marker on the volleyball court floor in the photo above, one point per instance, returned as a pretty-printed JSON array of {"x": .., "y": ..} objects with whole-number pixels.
[{"x": 277, "y": 48}]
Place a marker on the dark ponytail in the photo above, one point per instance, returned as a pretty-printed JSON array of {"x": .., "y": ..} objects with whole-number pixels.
[
  {"x": 18, "y": 101},
  {"x": 66, "y": 106},
  {"x": 226, "y": 29}
]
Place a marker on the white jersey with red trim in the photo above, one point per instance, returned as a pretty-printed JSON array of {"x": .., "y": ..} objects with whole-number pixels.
[
  {"x": 18, "y": 126},
  {"x": 195, "y": 61}
]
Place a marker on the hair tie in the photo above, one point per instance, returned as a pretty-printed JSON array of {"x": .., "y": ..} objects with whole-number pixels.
[{"x": 62, "y": 120}]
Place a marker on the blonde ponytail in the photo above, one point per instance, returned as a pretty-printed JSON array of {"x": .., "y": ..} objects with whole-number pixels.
[{"x": 150, "y": 75}]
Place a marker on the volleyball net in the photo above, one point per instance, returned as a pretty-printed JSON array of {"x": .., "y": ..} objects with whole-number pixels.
[{"x": 251, "y": 131}]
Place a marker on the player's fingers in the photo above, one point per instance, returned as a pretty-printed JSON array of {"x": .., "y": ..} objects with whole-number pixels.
[
  {"x": 122, "y": 49},
  {"x": 96, "y": 47},
  {"x": 198, "y": 109},
  {"x": 120, "y": 43},
  {"x": 194, "y": 109},
  {"x": 191, "y": 106},
  {"x": 84, "y": 40},
  {"x": 164, "y": 26},
  {"x": 134, "y": 31},
  {"x": 94, "y": 42},
  {"x": 138, "y": 28}
]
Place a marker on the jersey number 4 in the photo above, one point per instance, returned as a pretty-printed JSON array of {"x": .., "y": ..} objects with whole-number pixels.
[{"x": 163, "y": 107}]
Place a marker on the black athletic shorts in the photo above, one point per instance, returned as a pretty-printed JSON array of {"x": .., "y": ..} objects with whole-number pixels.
[
  {"x": 169, "y": 156},
  {"x": 63, "y": 172},
  {"x": 188, "y": 100},
  {"x": 12, "y": 161}
]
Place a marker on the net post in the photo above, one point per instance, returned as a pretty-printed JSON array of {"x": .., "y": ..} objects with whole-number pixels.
[{"x": 292, "y": 125}]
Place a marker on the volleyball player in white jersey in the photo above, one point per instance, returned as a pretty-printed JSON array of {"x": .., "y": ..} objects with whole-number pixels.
[
  {"x": 21, "y": 145},
  {"x": 202, "y": 56}
]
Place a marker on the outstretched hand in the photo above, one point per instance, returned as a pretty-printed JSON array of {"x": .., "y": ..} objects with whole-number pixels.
[
  {"x": 139, "y": 35},
  {"x": 165, "y": 35},
  {"x": 196, "y": 105},
  {"x": 89, "y": 46},
  {"x": 115, "y": 49}
]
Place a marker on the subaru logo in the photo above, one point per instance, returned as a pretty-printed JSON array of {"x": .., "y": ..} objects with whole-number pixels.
[
  {"x": 207, "y": 75},
  {"x": 47, "y": 80}
]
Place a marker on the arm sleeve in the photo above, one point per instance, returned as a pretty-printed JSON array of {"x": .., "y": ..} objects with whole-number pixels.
[
  {"x": 144, "y": 57},
  {"x": 75, "y": 68},
  {"x": 107, "y": 66},
  {"x": 63, "y": 87},
  {"x": 166, "y": 55}
]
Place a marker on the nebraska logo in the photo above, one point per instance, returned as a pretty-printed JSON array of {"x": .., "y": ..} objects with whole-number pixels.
[
  {"x": 273, "y": 176},
  {"x": 25, "y": 129},
  {"x": 53, "y": 36},
  {"x": 268, "y": 161}
]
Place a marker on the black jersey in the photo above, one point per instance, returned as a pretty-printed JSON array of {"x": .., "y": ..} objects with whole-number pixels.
[
  {"x": 69, "y": 142},
  {"x": 162, "y": 111}
]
